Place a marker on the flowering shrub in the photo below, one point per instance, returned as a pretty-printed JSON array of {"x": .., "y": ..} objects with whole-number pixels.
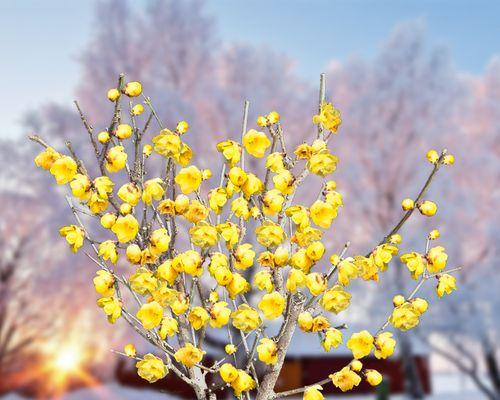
[{"x": 222, "y": 279}]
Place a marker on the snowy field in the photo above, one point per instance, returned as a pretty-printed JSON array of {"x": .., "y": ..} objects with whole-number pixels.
[{"x": 446, "y": 387}]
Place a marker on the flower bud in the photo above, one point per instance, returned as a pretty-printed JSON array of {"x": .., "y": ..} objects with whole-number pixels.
[
  {"x": 103, "y": 137},
  {"x": 449, "y": 159},
  {"x": 273, "y": 117},
  {"x": 108, "y": 220},
  {"x": 125, "y": 209},
  {"x": 432, "y": 156},
  {"x": 132, "y": 89},
  {"x": 373, "y": 377},
  {"x": 138, "y": 109},
  {"x": 356, "y": 365},
  {"x": 407, "y": 204},
  {"x": 113, "y": 94},
  {"x": 428, "y": 208},
  {"x": 182, "y": 127},
  {"x": 434, "y": 234},
  {"x": 398, "y": 300}
]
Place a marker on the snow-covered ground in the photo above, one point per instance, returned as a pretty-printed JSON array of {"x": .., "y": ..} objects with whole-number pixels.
[{"x": 446, "y": 387}]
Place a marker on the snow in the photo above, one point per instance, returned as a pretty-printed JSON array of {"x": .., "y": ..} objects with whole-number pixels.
[{"x": 447, "y": 387}]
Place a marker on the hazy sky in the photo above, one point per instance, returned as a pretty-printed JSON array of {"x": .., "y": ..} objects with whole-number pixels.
[{"x": 40, "y": 40}]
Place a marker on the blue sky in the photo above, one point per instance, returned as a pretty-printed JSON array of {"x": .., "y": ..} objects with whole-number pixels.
[{"x": 40, "y": 41}]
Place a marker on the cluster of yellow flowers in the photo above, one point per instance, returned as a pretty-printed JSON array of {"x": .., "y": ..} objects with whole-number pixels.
[{"x": 169, "y": 285}]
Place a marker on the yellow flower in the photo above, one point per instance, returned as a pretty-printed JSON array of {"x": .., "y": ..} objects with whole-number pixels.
[
  {"x": 427, "y": 208},
  {"x": 382, "y": 255},
  {"x": 189, "y": 355},
  {"x": 244, "y": 256},
  {"x": 420, "y": 305},
  {"x": 373, "y": 377},
  {"x": 408, "y": 204},
  {"x": 180, "y": 304},
  {"x": 228, "y": 372},
  {"x": 446, "y": 284},
  {"x": 217, "y": 198},
  {"x": 182, "y": 127},
  {"x": 150, "y": 314},
  {"x": 437, "y": 259},
  {"x": 151, "y": 368},
  {"x": 103, "y": 137},
  {"x": 237, "y": 176},
  {"x": 433, "y": 156},
  {"x": 296, "y": 278},
  {"x": 345, "y": 379},
  {"x": 196, "y": 212},
  {"x": 231, "y": 151},
  {"x": 184, "y": 156},
  {"x": 315, "y": 251},
  {"x": 284, "y": 182},
  {"x": 188, "y": 179},
  {"x": 80, "y": 187},
  {"x": 133, "y": 253},
  {"x": 246, "y": 318},
  {"x": 360, "y": 343},
  {"x": 230, "y": 349},
  {"x": 449, "y": 159},
  {"x": 130, "y": 350},
  {"x": 46, "y": 158},
  {"x": 125, "y": 228},
  {"x": 63, "y": 169},
  {"x": 270, "y": 234},
  {"x": 303, "y": 151},
  {"x": 153, "y": 190},
  {"x": 107, "y": 250},
  {"x": 415, "y": 263},
  {"x": 299, "y": 216},
  {"x": 203, "y": 235},
  {"x": 404, "y": 317},
  {"x": 328, "y": 117},
  {"x": 263, "y": 280},
  {"x": 274, "y": 162},
  {"x": 104, "y": 283},
  {"x": 167, "y": 143},
  {"x": 230, "y": 233},
  {"x": 143, "y": 281},
  {"x": 252, "y": 185},
  {"x": 434, "y": 234},
  {"x": 323, "y": 214},
  {"x": 198, "y": 317},
  {"x": 256, "y": 143},
  {"x": 272, "y": 202},
  {"x": 189, "y": 262},
  {"x": 267, "y": 351},
  {"x": 159, "y": 241},
  {"x": 74, "y": 235},
  {"x": 237, "y": 285},
  {"x": 181, "y": 204},
  {"x": 166, "y": 272},
  {"x": 239, "y": 207},
  {"x": 320, "y": 324},
  {"x": 219, "y": 314},
  {"x": 116, "y": 158},
  {"x": 384, "y": 345},
  {"x": 395, "y": 239},
  {"x": 316, "y": 283},
  {"x": 322, "y": 163},
  {"x": 112, "y": 307},
  {"x": 169, "y": 327},
  {"x": 108, "y": 220},
  {"x": 103, "y": 186},
  {"x": 333, "y": 338},
  {"x": 335, "y": 299},
  {"x": 272, "y": 305},
  {"x": 123, "y": 131},
  {"x": 301, "y": 261},
  {"x": 313, "y": 393},
  {"x": 133, "y": 89},
  {"x": 305, "y": 321},
  {"x": 347, "y": 270},
  {"x": 243, "y": 383},
  {"x": 273, "y": 117},
  {"x": 138, "y": 109}
]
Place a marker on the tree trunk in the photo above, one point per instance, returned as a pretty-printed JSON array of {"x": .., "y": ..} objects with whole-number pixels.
[{"x": 266, "y": 388}]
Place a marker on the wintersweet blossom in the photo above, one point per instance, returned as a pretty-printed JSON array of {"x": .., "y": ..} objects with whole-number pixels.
[{"x": 202, "y": 248}]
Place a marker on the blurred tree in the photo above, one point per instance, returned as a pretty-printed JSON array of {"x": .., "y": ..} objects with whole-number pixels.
[{"x": 400, "y": 104}]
